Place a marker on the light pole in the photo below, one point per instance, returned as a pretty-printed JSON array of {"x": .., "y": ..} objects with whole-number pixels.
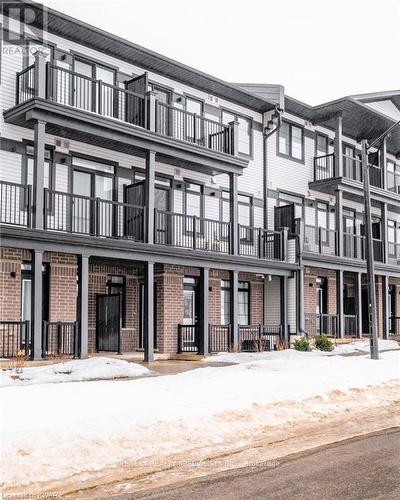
[{"x": 369, "y": 248}]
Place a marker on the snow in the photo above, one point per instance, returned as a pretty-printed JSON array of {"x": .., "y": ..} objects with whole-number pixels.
[
  {"x": 51, "y": 431},
  {"x": 75, "y": 371},
  {"x": 352, "y": 348}
]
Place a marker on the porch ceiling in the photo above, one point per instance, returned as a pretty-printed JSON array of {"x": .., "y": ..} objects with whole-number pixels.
[{"x": 83, "y": 126}]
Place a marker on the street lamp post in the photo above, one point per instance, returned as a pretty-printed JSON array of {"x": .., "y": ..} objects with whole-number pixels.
[{"x": 369, "y": 244}]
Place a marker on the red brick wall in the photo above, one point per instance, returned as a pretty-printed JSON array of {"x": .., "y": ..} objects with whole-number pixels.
[
  {"x": 62, "y": 286},
  {"x": 310, "y": 295}
]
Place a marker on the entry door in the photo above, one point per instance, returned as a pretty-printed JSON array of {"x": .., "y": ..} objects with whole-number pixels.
[
  {"x": 134, "y": 216},
  {"x": 109, "y": 323},
  {"x": 135, "y": 104}
]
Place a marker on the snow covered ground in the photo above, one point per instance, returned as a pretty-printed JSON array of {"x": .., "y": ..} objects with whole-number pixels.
[
  {"x": 74, "y": 371},
  {"x": 52, "y": 431}
]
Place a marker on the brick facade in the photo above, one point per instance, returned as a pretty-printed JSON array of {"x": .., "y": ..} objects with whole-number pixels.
[{"x": 310, "y": 295}]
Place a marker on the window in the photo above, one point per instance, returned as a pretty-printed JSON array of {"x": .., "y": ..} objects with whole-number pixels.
[
  {"x": 194, "y": 106},
  {"x": 193, "y": 126},
  {"x": 287, "y": 199},
  {"x": 93, "y": 165},
  {"x": 30, "y": 167},
  {"x": 245, "y": 130},
  {"x": 225, "y": 215},
  {"x": 351, "y": 167},
  {"x": 244, "y": 210},
  {"x": 393, "y": 176},
  {"x": 225, "y": 302},
  {"x": 322, "y": 220},
  {"x": 193, "y": 204},
  {"x": 376, "y": 228},
  {"x": 84, "y": 97},
  {"x": 244, "y": 303},
  {"x": 116, "y": 285},
  {"x": 322, "y": 145},
  {"x": 290, "y": 141}
]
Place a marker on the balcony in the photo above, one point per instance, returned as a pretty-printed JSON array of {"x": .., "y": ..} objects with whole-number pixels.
[
  {"x": 95, "y": 217},
  {"x": 325, "y": 242},
  {"x": 325, "y": 169},
  {"x": 83, "y": 108}
]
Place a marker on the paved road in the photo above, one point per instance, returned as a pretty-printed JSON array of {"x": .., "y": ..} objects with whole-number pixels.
[{"x": 361, "y": 468}]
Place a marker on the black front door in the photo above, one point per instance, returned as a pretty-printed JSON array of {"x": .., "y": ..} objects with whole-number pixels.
[
  {"x": 134, "y": 195},
  {"x": 108, "y": 325}
]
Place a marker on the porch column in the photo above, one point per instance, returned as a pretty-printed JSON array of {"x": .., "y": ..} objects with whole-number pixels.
[
  {"x": 300, "y": 300},
  {"x": 359, "y": 304},
  {"x": 339, "y": 221},
  {"x": 284, "y": 310},
  {"x": 340, "y": 302},
  {"x": 40, "y": 74},
  {"x": 38, "y": 174},
  {"x": 148, "y": 320},
  {"x": 338, "y": 149},
  {"x": 382, "y": 162},
  {"x": 385, "y": 239},
  {"x": 149, "y": 195},
  {"x": 233, "y": 201},
  {"x": 234, "y": 310},
  {"x": 385, "y": 306},
  {"x": 37, "y": 297},
  {"x": 83, "y": 304},
  {"x": 203, "y": 310}
]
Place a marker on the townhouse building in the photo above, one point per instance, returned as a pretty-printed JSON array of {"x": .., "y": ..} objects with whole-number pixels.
[{"x": 145, "y": 205}]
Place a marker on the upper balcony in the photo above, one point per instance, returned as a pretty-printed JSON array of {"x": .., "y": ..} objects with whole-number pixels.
[
  {"x": 83, "y": 108},
  {"x": 326, "y": 177}
]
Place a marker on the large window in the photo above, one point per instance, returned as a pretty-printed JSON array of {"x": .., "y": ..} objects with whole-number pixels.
[
  {"x": 322, "y": 220},
  {"x": 322, "y": 145},
  {"x": 290, "y": 142},
  {"x": 225, "y": 302},
  {"x": 245, "y": 130},
  {"x": 244, "y": 303},
  {"x": 193, "y": 205},
  {"x": 28, "y": 173}
]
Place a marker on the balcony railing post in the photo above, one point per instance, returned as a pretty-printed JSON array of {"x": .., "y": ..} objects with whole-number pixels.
[
  {"x": 320, "y": 240},
  {"x": 40, "y": 74},
  {"x": 195, "y": 222},
  {"x": 284, "y": 243},
  {"x": 100, "y": 97},
  {"x": 260, "y": 244},
  {"x": 29, "y": 207},
  {"x": 59, "y": 337},
  {"x": 152, "y": 111},
  {"x": 234, "y": 138}
]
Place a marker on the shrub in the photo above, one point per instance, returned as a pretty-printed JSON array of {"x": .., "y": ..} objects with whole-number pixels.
[
  {"x": 302, "y": 344},
  {"x": 323, "y": 343}
]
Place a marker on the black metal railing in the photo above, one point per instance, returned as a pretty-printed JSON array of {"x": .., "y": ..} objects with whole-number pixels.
[
  {"x": 79, "y": 91},
  {"x": 219, "y": 338},
  {"x": 394, "y": 325},
  {"x": 353, "y": 246},
  {"x": 257, "y": 338},
  {"x": 319, "y": 240},
  {"x": 324, "y": 167},
  {"x": 15, "y": 338},
  {"x": 188, "y": 231},
  {"x": 189, "y": 127},
  {"x": 260, "y": 243},
  {"x": 25, "y": 84},
  {"x": 321, "y": 324},
  {"x": 60, "y": 338},
  {"x": 73, "y": 213},
  {"x": 188, "y": 338},
  {"x": 15, "y": 204},
  {"x": 350, "y": 322}
]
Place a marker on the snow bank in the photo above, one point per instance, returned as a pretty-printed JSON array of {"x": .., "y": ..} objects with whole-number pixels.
[
  {"x": 76, "y": 371},
  {"x": 353, "y": 348},
  {"x": 52, "y": 431}
]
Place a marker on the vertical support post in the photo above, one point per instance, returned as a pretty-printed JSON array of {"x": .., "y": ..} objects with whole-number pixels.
[
  {"x": 234, "y": 309},
  {"x": 339, "y": 222},
  {"x": 383, "y": 163},
  {"x": 385, "y": 238},
  {"x": 340, "y": 302},
  {"x": 385, "y": 306},
  {"x": 40, "y": 74},
  {"x": 284, "y": 310},
  {"x": 149, "y": 195},
  {"x": 300, "y": 300},
  {"x": 37, "y": 298},
  {"x": 83, "y": 304},
  {"x": 233, "y": 203},
  {"x": 338, "y": 148},
  {"x": 285, "y": 241},
  {"x": 151, "y": 110},
  {"x": 369, "y": 254},
  {"x": 234, "y": 134},
  {"x": 148, "y": 320},
  {"x": 38, "y": 174},
  {"x": 359, "y": 305},
  {"x": 203, "y": 316}
]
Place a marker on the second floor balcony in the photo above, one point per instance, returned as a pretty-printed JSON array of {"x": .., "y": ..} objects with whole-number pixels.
[{"x": 100, "y": 218}]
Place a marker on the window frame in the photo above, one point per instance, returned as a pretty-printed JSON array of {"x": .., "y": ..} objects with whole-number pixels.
[
  {"x": 326, "y": 233},
  {"x": 325, "y": 136},
  {"x": 247, "y": 290},
  {"x": 290, "y": 156},
  {"x": 250, "y": 119},
  {"x": 200, "y": 193}
]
